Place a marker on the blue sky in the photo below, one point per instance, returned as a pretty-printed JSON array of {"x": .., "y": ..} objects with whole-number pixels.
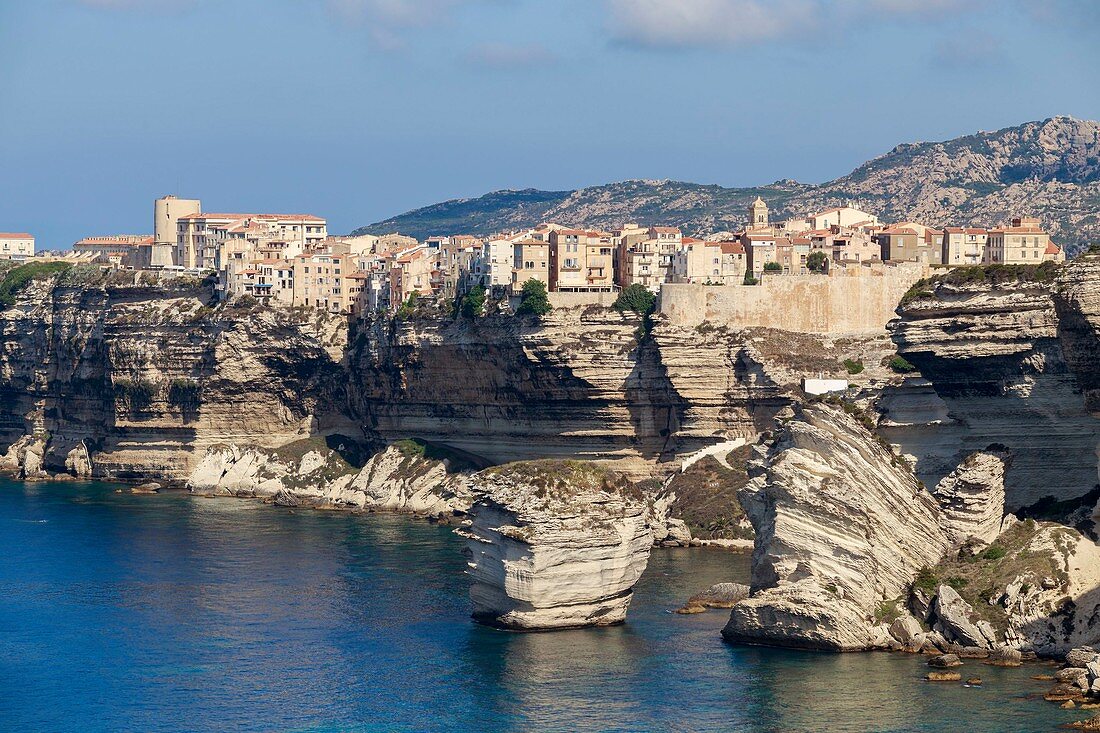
[{"x": 360, "y": 109}]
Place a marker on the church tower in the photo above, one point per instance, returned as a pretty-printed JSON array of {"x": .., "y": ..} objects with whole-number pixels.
[{"x": 758, "y": 214}]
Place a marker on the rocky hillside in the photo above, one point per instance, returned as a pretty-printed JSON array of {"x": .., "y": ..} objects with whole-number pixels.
[{"x": 1050, "y": 169}]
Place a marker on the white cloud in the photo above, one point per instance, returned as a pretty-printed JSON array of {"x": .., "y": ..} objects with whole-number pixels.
[{"x": 674, "y": 23}]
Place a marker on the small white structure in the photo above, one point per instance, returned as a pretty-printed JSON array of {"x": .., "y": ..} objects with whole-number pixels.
[{"x": 824, "y": 386}]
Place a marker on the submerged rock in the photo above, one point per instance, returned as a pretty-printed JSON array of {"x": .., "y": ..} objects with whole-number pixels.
[
  {"x": 841, "y": 524},
  {"x": 554, "y": 544},
  {"x": 719, "y": 595}
]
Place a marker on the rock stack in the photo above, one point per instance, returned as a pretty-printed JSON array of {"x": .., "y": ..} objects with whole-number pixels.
[{"x": 554, "y": 544}]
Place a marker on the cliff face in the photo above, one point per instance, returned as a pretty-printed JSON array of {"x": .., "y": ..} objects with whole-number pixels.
[
  {"x": 140, "y": 378},
  {"x": 841, "y": 527},
  {"x": 1001, "y": 369},
  {"x": 582, "y": 383}
]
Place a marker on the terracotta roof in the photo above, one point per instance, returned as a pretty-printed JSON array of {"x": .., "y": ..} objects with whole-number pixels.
[
  {"x": 899, "y": 230},
  {"x": 15, "y": 235},
  {"x": 665, "y": 230},
  {"x": 1018, "y": 230},
  {"x": 732, "y": 248},
  {"x": 1052, "y": 248}
]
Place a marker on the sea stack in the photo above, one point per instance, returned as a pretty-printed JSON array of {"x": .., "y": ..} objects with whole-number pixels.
[{"x": 555, "y": 545}]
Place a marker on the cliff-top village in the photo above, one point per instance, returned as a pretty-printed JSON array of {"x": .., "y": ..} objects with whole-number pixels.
[{"x": 292, "y": 259}]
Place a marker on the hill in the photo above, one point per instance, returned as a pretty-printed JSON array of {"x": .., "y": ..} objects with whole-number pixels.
[{"x": 1049, "y": 169}]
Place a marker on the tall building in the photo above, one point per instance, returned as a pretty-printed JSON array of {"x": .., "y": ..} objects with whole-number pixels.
[{"x": 167, "y": 212}]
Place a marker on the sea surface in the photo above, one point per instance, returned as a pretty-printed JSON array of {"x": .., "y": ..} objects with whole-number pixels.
[{"x": 123, "y": 612}]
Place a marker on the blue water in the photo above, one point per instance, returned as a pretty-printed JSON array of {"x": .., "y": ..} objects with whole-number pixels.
[{"x": 177, "y": 613}]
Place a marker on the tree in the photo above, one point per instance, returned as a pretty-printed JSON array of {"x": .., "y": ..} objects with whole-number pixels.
[
  {"x": 405, "y": 311},
  {"x": 474, "y": 302},
  {"x": 636, "y": 298},
  {"x": 749, "y": 279},
  {"x": 817, "y": 261},
  {"x": 534, "y": 300}
]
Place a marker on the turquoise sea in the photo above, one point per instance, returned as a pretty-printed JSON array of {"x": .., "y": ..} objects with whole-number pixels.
[{"x": 176, "y": 613}]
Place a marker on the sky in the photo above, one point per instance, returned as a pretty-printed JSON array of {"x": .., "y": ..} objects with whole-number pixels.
[{"x": 357, "y": 110}]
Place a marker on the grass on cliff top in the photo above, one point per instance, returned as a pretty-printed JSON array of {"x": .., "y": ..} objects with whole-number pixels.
[
  {"x": 347, "y": 453},
  {"x": 1045, "y": 272},
  {"x": 706, "y": 496},
  {"x": 565, "y": 478},
  {"x": 415, "y": 448},
  {"x": 18, "y": 277},
  {"x": 981, "y": 576}
]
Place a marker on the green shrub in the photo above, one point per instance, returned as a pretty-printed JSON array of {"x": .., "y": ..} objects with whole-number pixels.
[
  {"x": 926, "y": 580},
  {"x": 19, "y": 277},
  {"x": 473, "y": 304},
  {"x": 817, "y": 261},
  {"x": 405, "y": 311},
  {"x": 635, "y": 298},
  {"x": 534, "y": 301},
  {"x": 901, "y": 365},
  {"x": 994, "y": 552},
  {"x": 957, "y": 582},
  {"x": 853, "y": 366},
  {"x": 750, "y": 280},
  {"x": 183, "y": 392},
  {"x": 773, "y": 267},
  {"x": 135, "y": 394}
]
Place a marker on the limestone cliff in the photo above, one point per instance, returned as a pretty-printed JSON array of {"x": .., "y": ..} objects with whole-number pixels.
[
  {"x": 401, "y": 478},
  {"x": 842, "y": 527},
  {"x": 138, "y": 378},
  {"x": 555, "y": 544},
  {"x": 993, "y": 349}
]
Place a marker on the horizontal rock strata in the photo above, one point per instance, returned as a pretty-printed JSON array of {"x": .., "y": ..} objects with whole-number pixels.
[{"x": 554, "y": 544}]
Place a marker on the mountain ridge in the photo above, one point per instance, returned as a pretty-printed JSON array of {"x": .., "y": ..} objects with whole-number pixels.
[{"x": 1048, "y": 168}]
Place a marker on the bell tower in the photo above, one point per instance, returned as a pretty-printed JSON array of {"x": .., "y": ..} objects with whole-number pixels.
[{"x": 758, "y": 214}]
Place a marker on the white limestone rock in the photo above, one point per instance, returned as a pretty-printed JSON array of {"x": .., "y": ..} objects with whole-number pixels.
[
  {"x": 952, "y": 615},
  {"x": 973, "y": 497},
  {"x": 841, "y": 526},
  {"x": 397, "y": 479},
  {"x": 554, "y": 544}
]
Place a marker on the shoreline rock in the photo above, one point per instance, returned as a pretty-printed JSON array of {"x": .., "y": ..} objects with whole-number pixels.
[{"x": 554, "y": 545}]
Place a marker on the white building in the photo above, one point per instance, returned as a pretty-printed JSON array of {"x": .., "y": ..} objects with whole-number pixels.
[
  {"x": 16, "y": 246},
  {"x": 498, "y": 256}
]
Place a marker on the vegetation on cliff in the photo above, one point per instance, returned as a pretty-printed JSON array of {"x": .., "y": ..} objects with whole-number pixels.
[
  {"x": 20, "y": 276},
  {"x": 534, "y": 300},
  {"x": 1027, "y": 554},
  {"x": 991, "y": 275},
  {"x": 636, "y": 298},
  {"x": 706, "y": 496}
]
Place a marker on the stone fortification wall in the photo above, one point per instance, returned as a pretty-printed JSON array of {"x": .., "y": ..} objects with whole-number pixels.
[{"x": 856, "y": 299}]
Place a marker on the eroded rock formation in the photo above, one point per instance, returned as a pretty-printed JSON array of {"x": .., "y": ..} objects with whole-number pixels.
[
  {"x": 309, "y": 473},
  {"x": 842, "y": 526},
  {"x": 994, "y": 354},
  {"x": 973, "y": 498},
  {"x": 554, "y": 544}
]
